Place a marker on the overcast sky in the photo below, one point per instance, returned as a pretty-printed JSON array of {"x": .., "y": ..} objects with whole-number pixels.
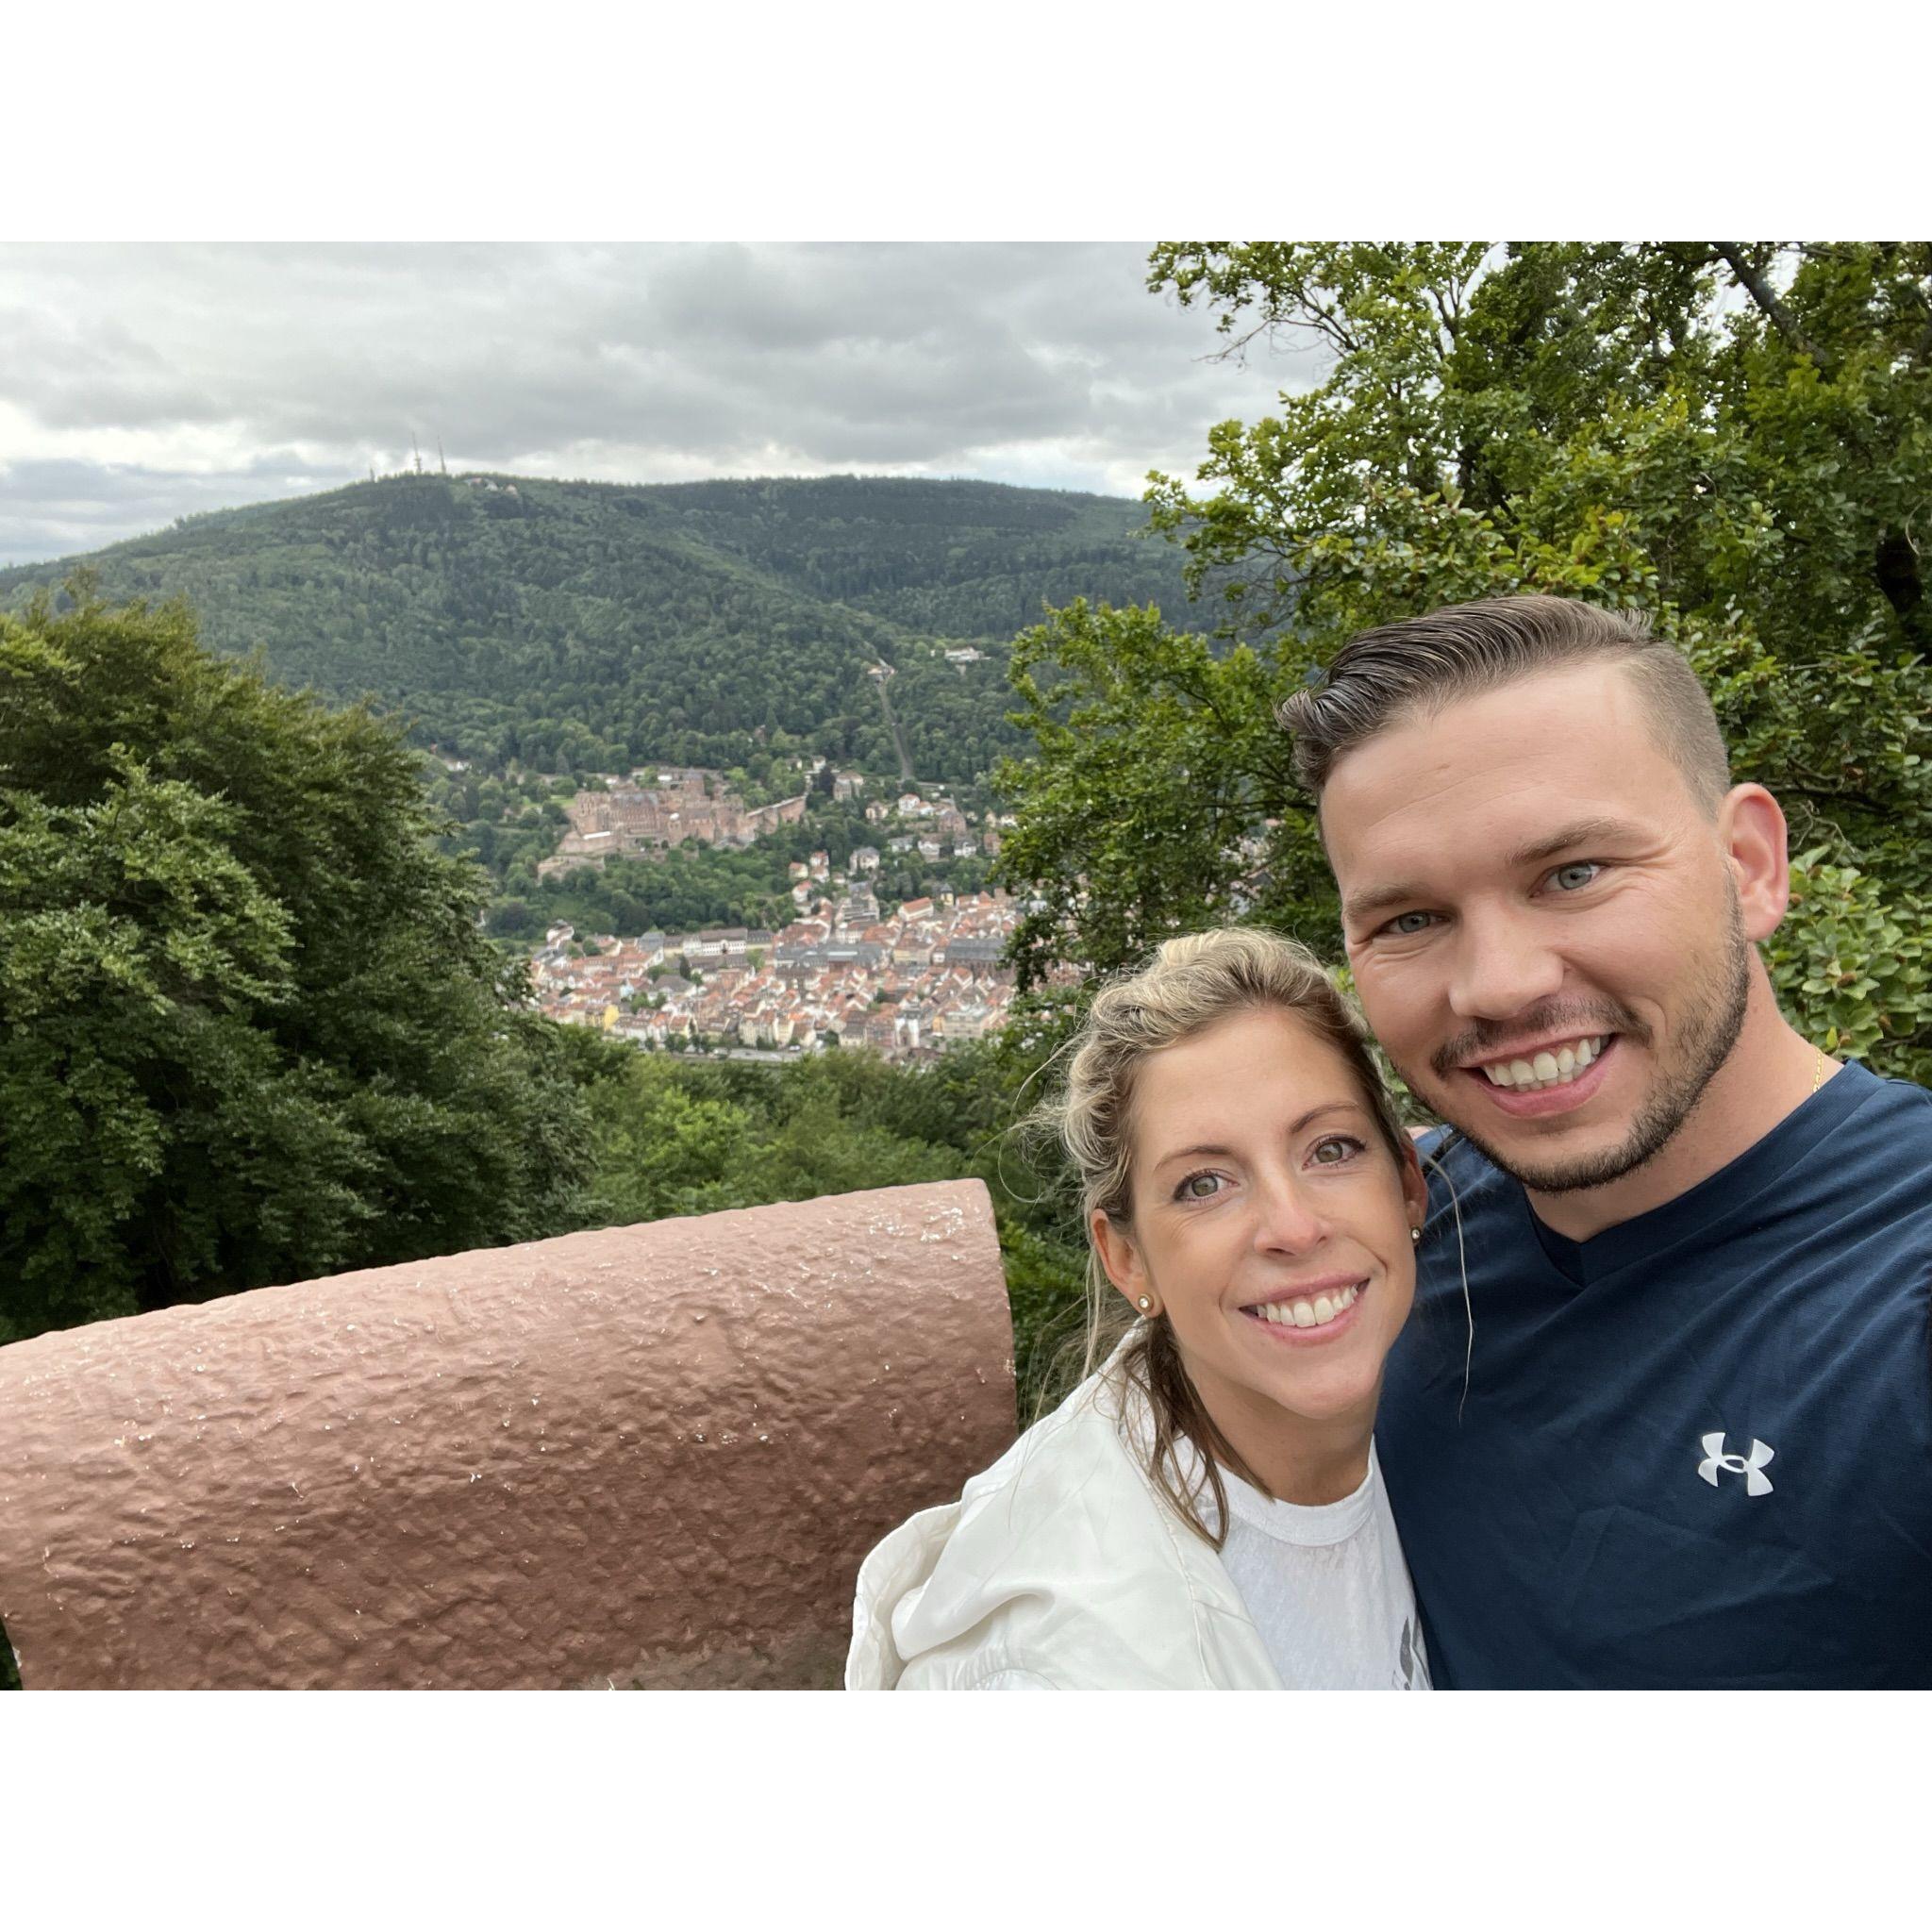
[{"x": 138, "y": 383}]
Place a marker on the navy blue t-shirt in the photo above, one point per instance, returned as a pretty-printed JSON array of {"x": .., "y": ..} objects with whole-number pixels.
[{"x": 1695, "y": 1449}]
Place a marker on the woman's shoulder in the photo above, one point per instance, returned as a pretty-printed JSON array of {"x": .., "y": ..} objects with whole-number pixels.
[
  {"x": 1083, "y": 1436},
  {"x": 1060, "y": 1564}
]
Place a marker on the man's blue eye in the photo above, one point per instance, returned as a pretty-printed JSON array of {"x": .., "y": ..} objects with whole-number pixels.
[
  {"x": 1400, "y": 925},
  {"x": 1575, "y": 877}
]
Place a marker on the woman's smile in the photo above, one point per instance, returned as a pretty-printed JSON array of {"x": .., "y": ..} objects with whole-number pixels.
[{"x": 1317, "y": 1312}]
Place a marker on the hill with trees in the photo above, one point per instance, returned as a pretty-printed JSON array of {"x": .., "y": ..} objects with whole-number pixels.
[{"x": 591, "y": 626}]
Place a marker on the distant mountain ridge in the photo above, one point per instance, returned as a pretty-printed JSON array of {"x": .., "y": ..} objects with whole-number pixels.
[{"x": 592, "y": 624}]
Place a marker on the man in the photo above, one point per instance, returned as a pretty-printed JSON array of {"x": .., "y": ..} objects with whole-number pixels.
[{"x": 1681, "y": 1431}]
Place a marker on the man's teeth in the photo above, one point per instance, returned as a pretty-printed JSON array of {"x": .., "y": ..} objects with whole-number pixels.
[
  {"x": 1546, "y": 1069},
  {"x": 1306, "y": 1314}
]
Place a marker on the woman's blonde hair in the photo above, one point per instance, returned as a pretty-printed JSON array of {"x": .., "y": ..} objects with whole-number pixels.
[{"x": 1188, "y": 985}]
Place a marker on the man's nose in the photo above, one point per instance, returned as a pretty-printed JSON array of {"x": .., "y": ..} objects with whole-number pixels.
[{"x": 1502, "y": 966}]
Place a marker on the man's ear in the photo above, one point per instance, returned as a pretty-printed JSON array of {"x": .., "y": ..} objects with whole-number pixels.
[
  {"x": 1751, "y": 829},
  {"x": 1122, "y": 1261}
]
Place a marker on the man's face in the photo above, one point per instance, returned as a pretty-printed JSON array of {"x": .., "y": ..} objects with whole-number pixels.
[{"x": 1543, "y": 926}]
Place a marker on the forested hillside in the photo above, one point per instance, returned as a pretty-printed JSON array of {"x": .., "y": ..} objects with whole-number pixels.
[{"x": 587, "y": 627}]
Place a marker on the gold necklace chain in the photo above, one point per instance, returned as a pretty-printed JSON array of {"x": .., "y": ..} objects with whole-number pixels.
[{"x": 1818, "y": 1078}]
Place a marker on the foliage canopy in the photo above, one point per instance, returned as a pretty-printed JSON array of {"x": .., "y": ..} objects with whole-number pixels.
[
  {"x": 1733, "y": 439},
  {"x": 249, "y": 1030}
]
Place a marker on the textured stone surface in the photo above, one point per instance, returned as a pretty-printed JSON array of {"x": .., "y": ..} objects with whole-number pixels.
[{"x": 649, "y": 1455}]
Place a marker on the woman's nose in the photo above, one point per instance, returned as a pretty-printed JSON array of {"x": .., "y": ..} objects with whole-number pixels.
[{"x": 1288, "y": 1220}]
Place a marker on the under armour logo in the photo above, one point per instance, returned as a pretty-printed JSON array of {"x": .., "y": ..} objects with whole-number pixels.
[{"x": 1750, "y": 1467}]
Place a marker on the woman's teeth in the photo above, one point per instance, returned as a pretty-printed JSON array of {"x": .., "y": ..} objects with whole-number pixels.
[
  {"x": 1546, "y": 1069},
  {"x": 1306, "y": 1314}
]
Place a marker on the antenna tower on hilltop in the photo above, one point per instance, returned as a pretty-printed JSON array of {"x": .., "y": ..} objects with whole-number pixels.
[{"x": 440, "y": 463}]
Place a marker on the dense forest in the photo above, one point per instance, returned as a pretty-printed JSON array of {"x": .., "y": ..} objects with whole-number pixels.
[
  {"x": 575, "y": 627},
  {"x": 249, "y": 1028}
]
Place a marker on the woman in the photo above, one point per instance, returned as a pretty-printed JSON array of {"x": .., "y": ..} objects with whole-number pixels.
[{"x": 1204, "y": 1511}]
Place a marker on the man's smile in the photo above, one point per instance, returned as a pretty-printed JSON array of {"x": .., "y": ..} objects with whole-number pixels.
[
  {"x": 1544, "y": 1064},
  {"x": 1556, "y": 1077}
]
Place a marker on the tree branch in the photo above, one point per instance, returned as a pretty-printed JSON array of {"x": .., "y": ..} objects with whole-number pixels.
[
  {"x": 1921, "y": 349},
  {"x": 1765, "y": 296}
]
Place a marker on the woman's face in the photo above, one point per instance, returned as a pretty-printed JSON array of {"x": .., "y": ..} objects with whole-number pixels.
[{"x": 1270, "y": 1220}]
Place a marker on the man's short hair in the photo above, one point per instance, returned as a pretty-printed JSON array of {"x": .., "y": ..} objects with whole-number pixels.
[{"x": 1399, "y": 673}]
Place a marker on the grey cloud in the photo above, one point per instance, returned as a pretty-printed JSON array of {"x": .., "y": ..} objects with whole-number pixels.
[
  {"x": 146, "y": 381},
  {"x": 63, "y": 506}
]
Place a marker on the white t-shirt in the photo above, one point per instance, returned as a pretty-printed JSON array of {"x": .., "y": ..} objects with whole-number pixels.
[{"x": 1327, "y": 1588}]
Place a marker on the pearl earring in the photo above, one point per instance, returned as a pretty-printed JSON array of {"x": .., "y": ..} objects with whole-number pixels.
[
  {"x": 1145, "y": 1303},
  {"x": 1415, "y": 1234}
]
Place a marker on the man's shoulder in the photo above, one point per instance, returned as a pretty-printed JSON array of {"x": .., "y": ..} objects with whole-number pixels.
[
  {"x": 1440, "y": 1143},
  {"x": 1456, "y": 1170},
  {"x": 1901, "y": 1106},
  {"x": 1878, "y": 1154}
]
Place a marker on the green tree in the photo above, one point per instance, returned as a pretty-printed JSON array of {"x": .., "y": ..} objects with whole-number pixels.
[
  {"x": 249, "y": 1028},
  {"x": 682, "y": 1134},
  {"x": 1733, "y": 439}
]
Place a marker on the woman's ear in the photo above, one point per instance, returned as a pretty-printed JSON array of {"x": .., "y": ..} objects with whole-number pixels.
[
  {"x": 1415, "y": 1189},
  {"x": 1120, "y": 1259}
]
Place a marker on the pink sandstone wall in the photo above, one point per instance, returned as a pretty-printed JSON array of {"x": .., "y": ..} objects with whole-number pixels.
[{"x": 652, "y": 1456}]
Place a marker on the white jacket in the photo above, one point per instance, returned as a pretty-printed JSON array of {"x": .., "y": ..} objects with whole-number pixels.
[{"x": 1060, "y": 1568}]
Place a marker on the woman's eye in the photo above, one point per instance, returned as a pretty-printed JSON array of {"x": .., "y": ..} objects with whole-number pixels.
[
  {"x": 1573, "y": 879},
  {"x": 1334, "y": 1150},
  {"x": 1198, "y": 1187}
]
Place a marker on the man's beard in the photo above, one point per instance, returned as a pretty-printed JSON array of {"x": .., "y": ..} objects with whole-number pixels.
[{"x": 1713, "y": 1018}]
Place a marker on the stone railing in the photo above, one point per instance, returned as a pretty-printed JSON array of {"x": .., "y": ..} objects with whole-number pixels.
[{"x": 652, "y": 1456}]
